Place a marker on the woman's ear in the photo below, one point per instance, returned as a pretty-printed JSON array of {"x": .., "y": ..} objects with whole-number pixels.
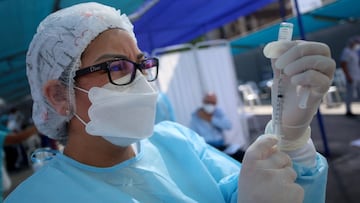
[{"x": 56, "y": 94}]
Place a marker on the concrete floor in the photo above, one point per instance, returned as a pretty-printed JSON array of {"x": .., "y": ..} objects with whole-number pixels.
[{"x": 344, "y": 160}]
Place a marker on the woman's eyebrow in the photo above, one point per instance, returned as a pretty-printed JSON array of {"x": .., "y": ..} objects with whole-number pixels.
[
  {"x": 140, "y": 56},
  {"x": 110, "y": 56}
]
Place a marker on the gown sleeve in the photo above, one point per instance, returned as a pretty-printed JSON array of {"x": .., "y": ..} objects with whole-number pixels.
[{"x": 224, "y": 169}]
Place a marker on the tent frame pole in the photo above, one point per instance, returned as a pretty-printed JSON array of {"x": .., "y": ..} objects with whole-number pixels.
[{"x": 303, "y": 37}]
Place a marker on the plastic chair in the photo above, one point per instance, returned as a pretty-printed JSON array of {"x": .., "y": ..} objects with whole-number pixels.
[
  {"x": 249, "y": 95},
  {"x": 332, "y": 97}
]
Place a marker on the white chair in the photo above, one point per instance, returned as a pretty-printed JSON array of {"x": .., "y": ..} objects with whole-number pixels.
[
  {"x": 332, "y": 97},
  {"x": 340, "y": 80},
  {"x": 249, "y": 95}
]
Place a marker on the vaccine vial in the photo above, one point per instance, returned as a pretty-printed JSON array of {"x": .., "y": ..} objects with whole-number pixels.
[{"x": 285, "y": 31}]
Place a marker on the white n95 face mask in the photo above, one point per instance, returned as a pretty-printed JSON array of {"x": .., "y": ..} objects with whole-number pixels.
[
  {"x": 209, "y": 108},
  {"x": 357, "y": 47},
  {"x": 122, "y": 115}
]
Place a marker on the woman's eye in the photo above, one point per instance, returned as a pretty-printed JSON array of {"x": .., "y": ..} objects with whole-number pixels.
[{"x": 116, "y": 68}]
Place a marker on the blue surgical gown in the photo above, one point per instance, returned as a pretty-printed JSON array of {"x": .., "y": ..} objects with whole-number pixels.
[
  {"x": 212, "y": 131},
  {"x": 174, "y": 165},
  {"x": 164, "y": 109}
]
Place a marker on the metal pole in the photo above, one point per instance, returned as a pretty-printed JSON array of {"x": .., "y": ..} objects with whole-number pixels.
[
  {"x": 282, "y": 10},
  {"x": 318, "y": 114}
]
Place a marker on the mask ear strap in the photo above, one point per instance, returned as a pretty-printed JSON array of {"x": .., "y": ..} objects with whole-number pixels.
[
  {"x": 81, "y": 120},
  {"x": 78, "y": 117},
  {"x": 81, "y": 89}
]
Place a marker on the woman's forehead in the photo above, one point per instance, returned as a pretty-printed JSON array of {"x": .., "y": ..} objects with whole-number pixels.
[{"x": 108, "y": 43}]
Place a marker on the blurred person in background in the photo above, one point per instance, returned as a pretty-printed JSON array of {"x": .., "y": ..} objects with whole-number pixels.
[
  {"x": 11, "y": 138},
  {"x": 350, "y": 64},
  {"x": 210, "y": 122},
  {"x": 16, "y": 153}
]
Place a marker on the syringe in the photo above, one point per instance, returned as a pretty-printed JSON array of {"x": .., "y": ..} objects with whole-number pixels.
[{"x": 285, "y": 33}]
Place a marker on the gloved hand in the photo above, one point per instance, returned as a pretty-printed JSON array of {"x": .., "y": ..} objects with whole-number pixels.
[
  {"x": 267, "y": 175},
  {"x": 306, "y": 66}
]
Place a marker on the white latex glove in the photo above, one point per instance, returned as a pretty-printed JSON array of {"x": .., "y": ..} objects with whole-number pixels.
[
  {"x": 307, "y": 65},
  {"x": 267, "y": 175}
]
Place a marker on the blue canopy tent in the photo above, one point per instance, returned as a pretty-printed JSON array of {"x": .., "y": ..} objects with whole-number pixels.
[
  {"x": 338, "y": 12},
  {"x": 175, "y": 22},
  {"x": 167, "y": 22},
  {"x": 19, "y": 20}
]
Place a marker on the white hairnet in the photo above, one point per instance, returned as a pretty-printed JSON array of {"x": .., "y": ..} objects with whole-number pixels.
[{"x": 55, "y": 51}]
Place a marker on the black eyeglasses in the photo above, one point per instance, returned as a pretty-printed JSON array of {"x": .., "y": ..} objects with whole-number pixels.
[{"x": 120, "y": 67}]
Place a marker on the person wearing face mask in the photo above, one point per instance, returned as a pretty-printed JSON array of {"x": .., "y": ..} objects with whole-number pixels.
[
  {"x": 350, "y": 64},
  {"x": 91, "y": 90},
  {"x": 10, "y": 138},
  {"x": 210, "y": 122}
]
